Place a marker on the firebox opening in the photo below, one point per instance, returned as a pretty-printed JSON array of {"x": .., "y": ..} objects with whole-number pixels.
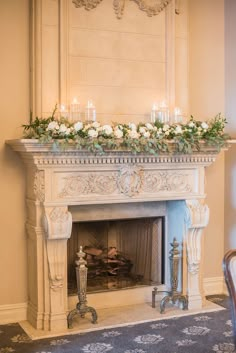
[{"x": 124, "y": 253}]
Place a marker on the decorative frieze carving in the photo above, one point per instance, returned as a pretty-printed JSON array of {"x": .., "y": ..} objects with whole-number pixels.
[
  {"x": 39, "y": 185},
  {"x": 57, "y": 223},
  {"x": 129, "y": 180},
  {"x": 166, "y": 181}
]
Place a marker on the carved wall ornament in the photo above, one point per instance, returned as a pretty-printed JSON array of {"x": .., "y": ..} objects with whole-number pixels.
[
  {"x": 151, "y": 7},
  {"x": 130, "y": 179},
  {"x": 39, "y": 185}
]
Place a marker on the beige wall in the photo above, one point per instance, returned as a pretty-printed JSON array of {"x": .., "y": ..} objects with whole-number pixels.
[
  {"x": 14, "y": 103},
  {"x": 230, "y": 94},
  {"x": 206, "y": 89}
]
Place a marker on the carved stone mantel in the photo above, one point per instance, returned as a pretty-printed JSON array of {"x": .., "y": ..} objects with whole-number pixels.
[{"x": 58, "y": 180}]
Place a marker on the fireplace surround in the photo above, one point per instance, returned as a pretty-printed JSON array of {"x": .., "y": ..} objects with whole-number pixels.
[{"x": 72, "y": 185}]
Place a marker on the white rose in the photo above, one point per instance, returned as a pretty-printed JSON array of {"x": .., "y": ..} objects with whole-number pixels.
[
  {"x": 142, "y": 130},
  {"x": 68, "y": 131},
  {"x": 118, "y": 133},
  {"x": 147, "y": 134},
  {"x": 166, "y": 127},
  {"x": 53, "y": 125},
  {"x": 204, "y": 125},
  {"x": 78, "y": 126},
  {"x": 149, "y": 126},
  {"x": 191, "y": 124},
  {"x": 178, "y": 129},
  {"x": 92, "y": 133},
  {"x": 62, "y": 128},
  {"x": 167, "y": 133},
  {"x": 95, "y": 124},
  {"x": 107, "y": 129},
  {"x": 132, "y": 126},
  {"x": 133, "y": 134}
]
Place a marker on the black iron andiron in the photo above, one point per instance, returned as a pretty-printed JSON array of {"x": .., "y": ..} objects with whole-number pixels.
[
  {"x": 81, "y": 307},
  {"x": 173, "y": 296}
]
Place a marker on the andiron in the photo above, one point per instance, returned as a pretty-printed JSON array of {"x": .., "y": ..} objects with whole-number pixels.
[
  {"x": 81, "y": 307},
  {"x": 173, "y": 295}
]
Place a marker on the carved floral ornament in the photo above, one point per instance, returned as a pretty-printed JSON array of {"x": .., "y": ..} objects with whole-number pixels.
[{"x": 151, "y": 7}]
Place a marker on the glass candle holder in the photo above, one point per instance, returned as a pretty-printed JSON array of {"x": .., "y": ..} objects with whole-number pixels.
[
  {"x": 90, "y": 112},
  {"x": 163, "y": 113},
  {"x": 177, "y": 117},
  {"x": 154, "y": 113},
  {"x": 64, "y": 112},
  {"x": 75, "y": 110}
]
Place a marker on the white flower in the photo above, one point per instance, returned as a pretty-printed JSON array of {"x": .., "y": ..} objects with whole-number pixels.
[
  {"x": 204, "y": 125},
  {"x": 92, "y": 133},
  {"x": 191, "y": 124},
  {"x": 142, "y": 130},
  {"x": 68, "y": 131},
  {"x": 62, "y": 128},
  {"x": 107, "y": 129},
  {"x": 166, "y": 127},
  {"x": 149, "y": 126},
  {"x": 118, "y": 133},
  {"x": 167, "y": 133},
  {"x": 133, "y": 134},
  {"x": 78, "y": 126},
  {"x": 95, "y": 124},
  {"x": 147, "y": 134},
  {"x": 132, "y": 126},
  {"x": 178, "y": 129},
  {"x": 53, "y": 125}
]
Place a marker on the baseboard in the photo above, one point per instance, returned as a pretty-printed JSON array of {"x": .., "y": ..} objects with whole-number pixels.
[
  {"x": 214, "y": 285},
  {"x": 13, "y": 313}
]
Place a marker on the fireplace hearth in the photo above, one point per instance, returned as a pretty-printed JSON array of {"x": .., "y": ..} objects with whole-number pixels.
[{"x": 66, "y": 187}]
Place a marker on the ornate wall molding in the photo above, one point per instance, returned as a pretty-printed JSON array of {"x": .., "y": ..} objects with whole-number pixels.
[{"x": 119, "y": 6}]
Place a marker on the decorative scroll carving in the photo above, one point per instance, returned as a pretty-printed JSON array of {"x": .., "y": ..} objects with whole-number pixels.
[
  {"x": 82, "y": 184},
  {"x": 130, "y": 179},
  {"x": 39, "y": 185},
  {"x": 58, "y": 223},
  {"x": 56, "y": 252},
  {"x": 151, "y": 7},
  {"x": 166, "y": 181}
]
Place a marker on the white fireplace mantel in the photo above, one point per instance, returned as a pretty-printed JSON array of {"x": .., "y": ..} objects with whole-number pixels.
[{"x": 59, "y": 180}]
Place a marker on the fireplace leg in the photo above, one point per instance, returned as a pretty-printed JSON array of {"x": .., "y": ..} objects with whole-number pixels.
[{"x": 81, "y": 307}]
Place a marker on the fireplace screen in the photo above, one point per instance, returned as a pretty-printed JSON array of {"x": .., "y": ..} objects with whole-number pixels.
[{"x": 119, "y": 253}]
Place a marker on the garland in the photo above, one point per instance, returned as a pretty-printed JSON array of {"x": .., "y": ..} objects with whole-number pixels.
[{"x": 152, "y": 138}]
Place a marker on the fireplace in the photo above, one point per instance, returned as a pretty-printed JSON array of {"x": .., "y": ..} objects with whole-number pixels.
[
  {"x": 120, "y": 253},
  {"x": 66, "y": 187}
]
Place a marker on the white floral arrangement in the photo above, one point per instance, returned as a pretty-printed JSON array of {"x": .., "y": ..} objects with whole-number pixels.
[{"x": 148, "y": 137}]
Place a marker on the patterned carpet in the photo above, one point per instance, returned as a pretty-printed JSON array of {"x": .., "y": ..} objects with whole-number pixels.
[{"x": 199, "y": 333}]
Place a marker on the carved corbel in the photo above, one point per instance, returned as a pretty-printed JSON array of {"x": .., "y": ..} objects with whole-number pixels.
[
  {"x": 57, "y": 226},
  {"x": 57, "y": 223},
  {"x": 197, "y": 219}
]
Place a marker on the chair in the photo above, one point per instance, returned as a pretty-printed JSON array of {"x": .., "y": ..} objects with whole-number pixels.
[{"x": 229, "y": 268}]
